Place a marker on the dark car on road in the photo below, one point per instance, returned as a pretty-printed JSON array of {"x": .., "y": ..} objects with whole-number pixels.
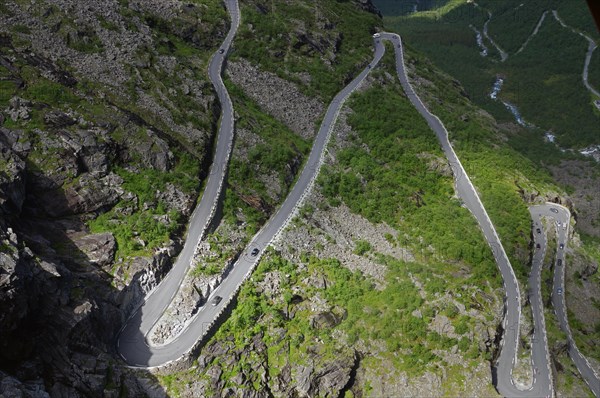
[
  {"x": 216, "y": 300},
  {"x": 553, "y": 210},
  {"x": 221, "y": 51},
  {"x": 559, "y": 262},
  {"x": 562, "y": 246},
  {"x": 254, "y": 252},
  {"x": 539, "y": 231},
  {"x": 538, "y": 246},
  {"x": 559, "y": 291}
]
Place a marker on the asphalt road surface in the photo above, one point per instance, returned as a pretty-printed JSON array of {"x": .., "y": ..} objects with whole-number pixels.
[
  {"x": 561, "y": 217},
  {"x": 470, "y": 198},
  {"x": 131, "y": 342}
]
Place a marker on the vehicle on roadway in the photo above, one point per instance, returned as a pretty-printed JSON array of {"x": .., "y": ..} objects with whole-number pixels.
[
  {"x": 561, "y": 246},
  {"x": 376, "y": 35},
  {"x": 539, "y": 231},
  {"x": 553, "y": 210},
  {"x": 559, "y": 262},
  {"x": 538, "y": 246},
  {"x": 254, "y": 252},
  {"x": 216, "y": 300},
  {"x": 559, "y": 291},
  {"x": 564, "y": 225},
  {"x": 221, "y": 51}
]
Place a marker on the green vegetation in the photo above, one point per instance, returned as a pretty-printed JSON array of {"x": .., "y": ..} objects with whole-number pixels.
[
  {"x": 395, "y": 317},
  {"x": 499, "y": 172},
  {"x": 277, "y": 156},
  {"x": 536, "y": 80},
  {"x": 512, "y": 23},
  {"x": 139, "y": 226},
  {"x": 362, "y": 247},
  {"x": 393, "y": 181},
  {"x": 289, "y": 39},
  {"x": 551, "y": 93},
  {"x": 220, "y": 245}
]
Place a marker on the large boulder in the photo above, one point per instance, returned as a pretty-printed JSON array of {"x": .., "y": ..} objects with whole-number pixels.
[
  {"x": 99, "y": 248},
  {"x": 85, "y": 195}
]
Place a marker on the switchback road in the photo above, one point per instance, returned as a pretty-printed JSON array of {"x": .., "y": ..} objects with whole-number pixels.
[
  {"x": 133, "y": 345},
  {"x": 561, "y": 218},
  {"x": 131, "y": 342}
]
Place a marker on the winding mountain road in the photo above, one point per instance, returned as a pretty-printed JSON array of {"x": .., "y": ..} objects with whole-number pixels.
[
  {"x": 562, "y": 218},
  {"x": 132, "y": 343},
  {"x": 465, "y": 189},
  {"x": 588, "y": 57}
]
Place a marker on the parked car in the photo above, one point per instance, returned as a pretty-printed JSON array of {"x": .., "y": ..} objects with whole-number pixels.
[
  {"x": 377, "y": 35},
  {"x": 216, "y": 300}
]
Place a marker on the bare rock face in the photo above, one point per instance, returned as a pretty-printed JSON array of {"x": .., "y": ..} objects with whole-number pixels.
[
  {"x": 368, "y": 5},
  {"x": 86, "y": 195},
  {"x": 10, "y": 387},
  {"x": 176, "y": 200},
  {"x": 278, "y": 97},
  {"x": 58, "y": 119},
  {"x": 18, "y": 109},
  {"x": 327, "y": 381},
  {"x": 12, "y": 181},
  {"x": 154, "y": 151},
  {"x": 99, "y": 248}
]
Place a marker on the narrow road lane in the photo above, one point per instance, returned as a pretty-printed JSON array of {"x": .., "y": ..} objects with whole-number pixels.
[
  {"x": 562, "y": 217},
  {"x": 467, "y": 192},
  {"x": 132, "y": 343},
  {"x": 155, "y": 304}
]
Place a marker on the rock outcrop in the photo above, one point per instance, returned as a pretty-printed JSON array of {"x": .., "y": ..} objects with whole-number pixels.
[
  {"x": 278, "y": 97},
  {"x": 12, "y": 178}
]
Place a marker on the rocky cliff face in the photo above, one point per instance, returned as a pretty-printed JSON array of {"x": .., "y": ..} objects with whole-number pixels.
[{"x": 94, "y": 133}]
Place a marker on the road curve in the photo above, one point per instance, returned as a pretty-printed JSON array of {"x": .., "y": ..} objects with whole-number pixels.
[
  {"x": 157, "y": 301},
  {"x": 588, "y": 57},
  {"x": 562, "y": 217},
  {"x": 132, "y": 343},
  {"x": 465, "y": 189}
]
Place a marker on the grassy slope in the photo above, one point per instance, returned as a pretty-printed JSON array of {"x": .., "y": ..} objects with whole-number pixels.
[
  {"x": 95, "y": 103},
  {"x": 538, "y": 79},
  {"x": 271, "y": 40},
  {"x": 279, "y": 147},
  {"x": 452, "y": 258},
  {"x": 496, "y": 169},
  {"x": 550, "y": 93},
  {"x": 505, "y": 180}
]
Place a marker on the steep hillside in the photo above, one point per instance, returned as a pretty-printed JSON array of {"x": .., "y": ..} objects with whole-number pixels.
[
  {"x": 107, "y": 120},
  {"x": 537, "y": 88},
  {"x": 383, "y": 284},
  {"x": 539, "y": 56}
]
